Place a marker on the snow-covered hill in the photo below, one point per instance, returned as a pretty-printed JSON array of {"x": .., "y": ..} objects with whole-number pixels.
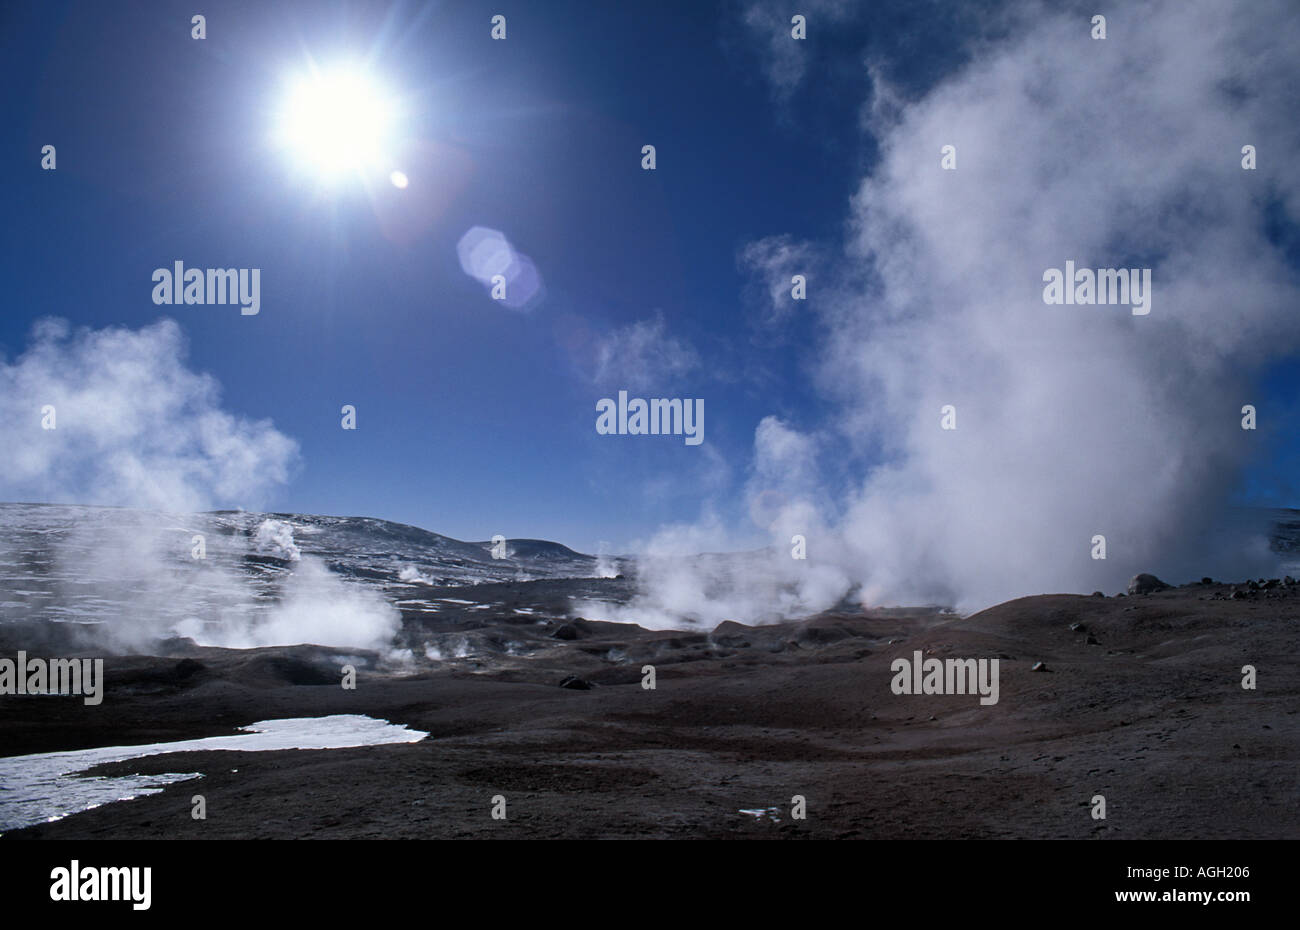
[{"x": 192, "y": 574}]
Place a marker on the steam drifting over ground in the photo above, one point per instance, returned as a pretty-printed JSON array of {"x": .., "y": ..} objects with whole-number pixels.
[
  {"x": 1072, "y": 421},
  {"x": 116, "y": 416}
]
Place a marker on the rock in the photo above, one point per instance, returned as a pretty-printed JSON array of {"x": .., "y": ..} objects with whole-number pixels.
[
  {"x": 1040, "y": 667},
  {"x": 574, "y": 683},
  {"x": 1078, "y": 628},
  {"x": 1238, "y": 594},
  {"x": 1098, "y": 594},
  {"x": 1146, "y": 584},
  {"x": 566, "y": 631},
  {"x": 1092, "y": 640},
  {"x": 1207, "y": 580}
]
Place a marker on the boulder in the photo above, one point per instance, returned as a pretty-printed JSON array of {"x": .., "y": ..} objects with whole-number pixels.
[{"x": 1146, "y": 584}]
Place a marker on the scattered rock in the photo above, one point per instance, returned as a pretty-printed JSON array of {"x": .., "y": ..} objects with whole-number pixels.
[{"x": 1146, "y": 584}]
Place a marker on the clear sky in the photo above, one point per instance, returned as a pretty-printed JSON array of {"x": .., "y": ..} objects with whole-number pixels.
[{"x": 474, "y": 418}]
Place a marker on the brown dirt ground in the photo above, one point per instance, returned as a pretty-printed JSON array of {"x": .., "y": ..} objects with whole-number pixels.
[{"x": 1153, "y": 717}]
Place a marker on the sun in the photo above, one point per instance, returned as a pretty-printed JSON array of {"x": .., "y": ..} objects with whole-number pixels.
[{"x": 338, "y": 122}]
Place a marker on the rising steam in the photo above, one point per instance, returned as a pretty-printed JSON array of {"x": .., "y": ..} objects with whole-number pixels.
[
  {"x": 115, "y": 417},
  {"x": 1072, "y": 421}
]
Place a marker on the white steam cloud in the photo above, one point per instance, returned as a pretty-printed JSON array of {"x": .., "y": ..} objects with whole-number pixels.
[
  {"x": 1072, "y": 421},
  {"x": 275, "y": 537},
  {"x": 133, "y": 426},
  {"x": 314, "y": 606}
]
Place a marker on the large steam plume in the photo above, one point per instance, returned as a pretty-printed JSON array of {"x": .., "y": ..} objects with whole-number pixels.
[{"x": 1072, "y": 421}]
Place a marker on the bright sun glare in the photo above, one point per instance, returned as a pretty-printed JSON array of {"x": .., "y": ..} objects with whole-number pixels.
[{"x": 338, "y": 122}]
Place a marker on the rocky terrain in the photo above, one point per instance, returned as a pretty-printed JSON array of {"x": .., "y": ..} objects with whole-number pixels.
[{"x": 1137, "y": 698}]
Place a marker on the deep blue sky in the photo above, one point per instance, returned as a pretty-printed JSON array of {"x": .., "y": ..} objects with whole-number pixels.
[{"x": 474, "y": 419}]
